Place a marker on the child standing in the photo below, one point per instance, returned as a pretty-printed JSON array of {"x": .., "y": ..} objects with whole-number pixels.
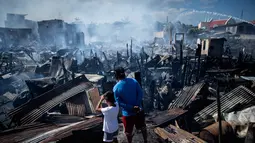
[{"x": 110, "y": 124}]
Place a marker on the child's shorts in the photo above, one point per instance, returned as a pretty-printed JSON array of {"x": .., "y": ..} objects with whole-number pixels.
[{"x": 108, "y": 137}]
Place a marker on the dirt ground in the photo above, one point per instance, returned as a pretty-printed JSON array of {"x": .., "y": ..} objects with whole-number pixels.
[{"x": 138, "y": 138}]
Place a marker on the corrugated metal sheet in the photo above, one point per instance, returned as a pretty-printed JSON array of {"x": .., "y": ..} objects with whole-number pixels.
[
  {"x": 176, "y": 135},
  {"x": 23, "y": 133},
  {"x": 35, "y": 103},
  {"x": 165, "y": 117},
  {"x": 10, "y": 96},
  {"x": 76, "y": 105},
  {"x": 62, "y": 132},
  {"x": 186, "y": 96},
  {"x": 239, "y": 96},
  {"x": 37, "y": 132},
  {"x": 39, "y": 111},
  {"x": 76, "y": 109}
]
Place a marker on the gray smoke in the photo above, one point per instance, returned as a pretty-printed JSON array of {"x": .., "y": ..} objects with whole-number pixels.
[{"x": 141, "y": 14}]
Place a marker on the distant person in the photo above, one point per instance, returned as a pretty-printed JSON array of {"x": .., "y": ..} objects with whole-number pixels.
[
  {"x": 110, "y": 125},
  {"x": 128, "y": 95}
]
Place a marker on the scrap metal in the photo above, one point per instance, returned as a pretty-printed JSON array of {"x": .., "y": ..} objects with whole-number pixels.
[
  {"x": 186, "y": 96},
  {"x": 62, "y": 132},
  {"x": 45, "y": 132},
  {"x": 239, "y": 96},
  {"x": 49, "y": 99},
  {"x": 39, "y": 111},
  {"x": 165, "y": 117},
  {"x": 211, "y": 133},
  {"x": 23, "y": 133}
]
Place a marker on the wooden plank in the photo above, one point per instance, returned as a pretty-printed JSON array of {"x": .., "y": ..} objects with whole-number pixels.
[
  {"x": 177, "y": 135},
  {"x": 162, "y": 133}
]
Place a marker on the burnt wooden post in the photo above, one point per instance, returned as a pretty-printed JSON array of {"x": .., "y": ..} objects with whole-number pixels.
[
  {"x": 184, "y": 73},
  {"x": 118, "y": 57},
  {"x": 138, "y": 78},
  {"x": 127, "y": 51},
  {"x": 152, "y": 91},
  {"x": 64, "y": 69},
  {"x": 181, "y": 54},
  {"x": 10, "y": 60},
  {"x": 198, "y": 61},
  {"x": 219, "y": 111},
  {"x": 131, "y": 48},
  {"x": 91, "y": 53}
]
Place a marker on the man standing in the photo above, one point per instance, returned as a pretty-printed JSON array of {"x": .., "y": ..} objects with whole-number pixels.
[{"x": 128, "y": 95}]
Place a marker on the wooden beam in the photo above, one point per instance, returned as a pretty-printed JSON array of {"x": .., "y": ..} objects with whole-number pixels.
[{"x": 174, "y": 134}]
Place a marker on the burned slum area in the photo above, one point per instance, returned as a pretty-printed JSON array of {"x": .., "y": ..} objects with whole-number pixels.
[{"x": 198, "y": 81}]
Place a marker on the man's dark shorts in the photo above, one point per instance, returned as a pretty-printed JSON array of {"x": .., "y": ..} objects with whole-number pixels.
[{"x": 137, "y": 120}]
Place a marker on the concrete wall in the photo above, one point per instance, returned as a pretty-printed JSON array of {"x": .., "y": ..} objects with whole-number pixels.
[
  {"x": 52, "y": 32},
  {"x": 212, "y": 47},
  {"x": 11, "y": 37}
]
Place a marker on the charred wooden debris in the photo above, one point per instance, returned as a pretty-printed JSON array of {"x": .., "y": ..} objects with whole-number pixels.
[{"x": 191, "y": 95}]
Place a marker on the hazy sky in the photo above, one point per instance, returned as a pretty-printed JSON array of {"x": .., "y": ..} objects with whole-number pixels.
[{"x": 137, "y": 11}]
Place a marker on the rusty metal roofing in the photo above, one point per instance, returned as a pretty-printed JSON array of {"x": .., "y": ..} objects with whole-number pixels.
[
  {"x": 48, "y": 100},
  {"x": 177, "y": 135},
  {"x": 239, "y": 96},
  {"x": 164, "y": 117},
  {"x": 186, "y": 96}
]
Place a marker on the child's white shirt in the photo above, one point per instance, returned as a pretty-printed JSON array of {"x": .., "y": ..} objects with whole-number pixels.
[{"x": 110, "y": 124}]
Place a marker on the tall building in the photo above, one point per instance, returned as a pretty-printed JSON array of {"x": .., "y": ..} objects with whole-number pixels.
[
  {"x": 52, "y": 32},
  {"x": 19, "y": 21}
]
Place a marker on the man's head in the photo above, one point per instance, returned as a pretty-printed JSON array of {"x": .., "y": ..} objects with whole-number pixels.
[
  {"x": 119, "y": 73},
  {"x": 109, "y": 97}
]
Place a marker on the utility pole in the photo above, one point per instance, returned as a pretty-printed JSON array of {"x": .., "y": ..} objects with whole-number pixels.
[{"x": 131, "y": 46}]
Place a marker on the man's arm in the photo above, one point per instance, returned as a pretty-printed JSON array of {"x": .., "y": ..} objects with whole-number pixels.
[
  {"x": 139, "y": 93},
  {"x": 118, "y": 99}
]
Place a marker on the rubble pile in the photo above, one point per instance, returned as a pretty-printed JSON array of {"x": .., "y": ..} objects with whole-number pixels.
[{"x": 192, "y": 93}]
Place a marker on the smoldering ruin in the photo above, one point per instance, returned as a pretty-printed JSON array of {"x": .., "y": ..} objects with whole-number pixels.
[{"x": 198, "y": 81}]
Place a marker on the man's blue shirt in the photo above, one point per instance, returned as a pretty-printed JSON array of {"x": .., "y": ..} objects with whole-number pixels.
[{"x": 128, "y": 93}]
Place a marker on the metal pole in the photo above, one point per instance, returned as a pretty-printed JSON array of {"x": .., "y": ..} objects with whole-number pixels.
[{"x": 219, "y": 112}]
